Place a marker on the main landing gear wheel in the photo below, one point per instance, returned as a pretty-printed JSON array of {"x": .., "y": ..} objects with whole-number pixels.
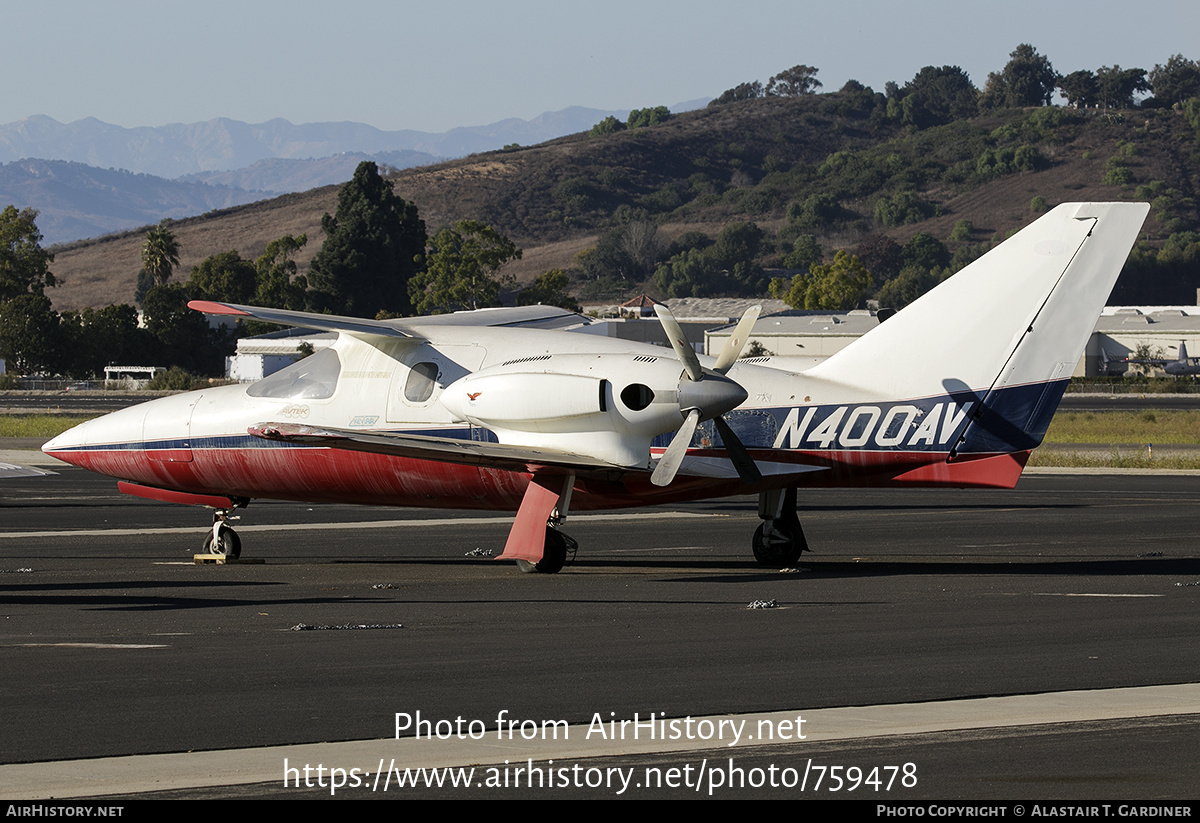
[
  {"x": 554, "y": 555},
  {"x": 782, "y": 547},
  {"x": 779, "y": 541},
  {"x": 227, "y": 543}
]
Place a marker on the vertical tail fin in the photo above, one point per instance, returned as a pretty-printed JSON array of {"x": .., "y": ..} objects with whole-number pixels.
[{"x": 1005, "y": 332}]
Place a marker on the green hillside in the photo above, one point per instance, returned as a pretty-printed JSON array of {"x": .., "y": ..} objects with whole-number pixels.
[{"x": 839, "y": 171}]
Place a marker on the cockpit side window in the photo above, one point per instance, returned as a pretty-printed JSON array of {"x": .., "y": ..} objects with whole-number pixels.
[
  {"x": 313, "y": 378},
  {"x": 422, "y": 380}
]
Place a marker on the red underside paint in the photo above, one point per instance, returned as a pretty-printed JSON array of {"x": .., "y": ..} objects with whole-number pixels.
[
  {"x": 214, "y": 476},
  {"x": 1001, "y": 470},
  {"x": 342, "y": 476},
  {"x": 527, "y": 538}
]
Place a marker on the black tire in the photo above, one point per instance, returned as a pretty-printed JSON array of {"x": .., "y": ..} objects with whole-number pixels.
[
  {"x": 783, "y": 549},
  {"x": 228, "y": 544},
  {"x": 554, "y": 556}
]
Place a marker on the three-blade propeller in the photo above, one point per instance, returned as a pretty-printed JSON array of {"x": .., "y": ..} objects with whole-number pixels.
[{"x": 706, "y": 396}]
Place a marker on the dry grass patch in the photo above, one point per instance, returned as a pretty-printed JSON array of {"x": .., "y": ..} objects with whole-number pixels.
[
  {"x": 1125, "y": 427},
  {"x": 39, "y": 425},
  {"x": 1115, "y": 459}
]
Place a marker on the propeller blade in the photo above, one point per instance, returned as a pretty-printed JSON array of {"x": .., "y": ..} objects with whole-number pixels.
[
  {"x": 669, "y": 463},
  {"x": 683, "y": 349},
  {"x": 737, "y": 342},
  {"x": 738, "y": 455},
  {"x": 706, "y": 398}
]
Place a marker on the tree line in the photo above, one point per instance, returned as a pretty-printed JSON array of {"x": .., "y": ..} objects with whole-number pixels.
[
  {"x": 941, "y": 94},
  {"x": 932, "y": 147}
]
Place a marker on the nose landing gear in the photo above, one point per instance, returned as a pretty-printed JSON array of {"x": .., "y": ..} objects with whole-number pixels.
[{"x": 222, "y": 540}]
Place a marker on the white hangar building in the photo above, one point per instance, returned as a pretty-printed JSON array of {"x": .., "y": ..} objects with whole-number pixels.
[{"x": 1119, "y": 332}]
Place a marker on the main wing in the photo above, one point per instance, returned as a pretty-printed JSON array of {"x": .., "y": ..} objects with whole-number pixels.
[
  {"x": 425, "y": 447},
  {"x": 496, "y": 455},
  {"x": 543, "y": 317},
  {"x": 357, "y": 326}
]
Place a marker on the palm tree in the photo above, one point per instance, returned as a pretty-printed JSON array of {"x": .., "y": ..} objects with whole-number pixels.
[{"x": 160, "y": 254}]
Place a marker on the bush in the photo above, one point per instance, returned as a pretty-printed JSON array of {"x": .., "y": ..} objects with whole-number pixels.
[
  {"x": 576, "y": 192},
  {"x": 642, "y": 118},
  {"x": 902, "y": 208},
  {"x": 816, "y": 211},
  {"x": 993, "y": 163},
  {"x": 176, "y": 379},
  {"x": 1118, "y": 176},
  {"x": 609, "y": 125}
]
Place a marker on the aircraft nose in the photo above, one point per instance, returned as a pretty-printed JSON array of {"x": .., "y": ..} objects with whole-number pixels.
[
  {"x": 69, "y": 445},
  {"x": 83, "y": 444}
]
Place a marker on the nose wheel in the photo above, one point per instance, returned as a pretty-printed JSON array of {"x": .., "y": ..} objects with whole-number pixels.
[{"x": 222, "y": 539}]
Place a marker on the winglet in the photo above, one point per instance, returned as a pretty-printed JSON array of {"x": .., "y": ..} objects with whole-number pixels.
[{"x": 209, "y": 307}]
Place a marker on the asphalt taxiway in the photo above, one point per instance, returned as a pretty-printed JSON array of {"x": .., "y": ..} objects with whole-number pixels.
[{"x": 1057, "y": 613}]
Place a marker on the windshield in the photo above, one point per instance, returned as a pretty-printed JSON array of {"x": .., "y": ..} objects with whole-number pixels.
[{"x": 313, "y": 378}]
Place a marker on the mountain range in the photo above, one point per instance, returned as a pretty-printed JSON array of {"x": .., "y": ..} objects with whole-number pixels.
[
  {"x": 87, "y": 178},
  {"x": 221, "y": 144},
  {"x": 832, "y": 168}
]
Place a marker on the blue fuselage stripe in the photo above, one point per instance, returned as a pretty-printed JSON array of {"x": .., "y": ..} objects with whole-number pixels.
[{"x": 1010, "y": 420}]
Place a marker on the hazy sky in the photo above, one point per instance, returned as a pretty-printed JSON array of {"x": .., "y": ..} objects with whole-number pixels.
[{"x": 432, "y": 66}]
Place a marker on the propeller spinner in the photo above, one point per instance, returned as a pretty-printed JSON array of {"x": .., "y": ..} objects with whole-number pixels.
[{"x": 706, "y": 396}]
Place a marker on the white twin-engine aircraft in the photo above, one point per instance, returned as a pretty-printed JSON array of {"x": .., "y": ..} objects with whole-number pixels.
[{"x": 495, "y": 409}]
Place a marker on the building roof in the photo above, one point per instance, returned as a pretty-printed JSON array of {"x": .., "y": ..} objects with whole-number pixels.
[
  {"x": 795, "y": 322},
  {"x": 1149, "y": 319},
  {"x": 729, "y": 309},
  {"x": 285, "y": 341},
  {"x": 642, "y": 301}
]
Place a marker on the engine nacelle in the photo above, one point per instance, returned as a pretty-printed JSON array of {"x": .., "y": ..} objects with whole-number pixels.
[{"x": 606, "y": 406}]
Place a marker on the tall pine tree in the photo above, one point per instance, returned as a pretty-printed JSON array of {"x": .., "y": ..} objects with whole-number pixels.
[{"x": 372, "y": 247}]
